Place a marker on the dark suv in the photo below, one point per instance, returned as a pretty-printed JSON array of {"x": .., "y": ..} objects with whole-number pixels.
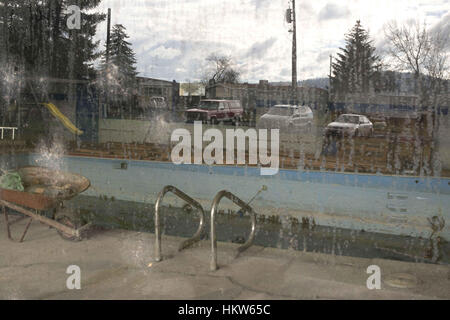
[{"x": 215, "y": 111}]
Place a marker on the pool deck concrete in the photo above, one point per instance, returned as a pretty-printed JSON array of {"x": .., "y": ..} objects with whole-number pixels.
[{"x": 117, "y": 264}]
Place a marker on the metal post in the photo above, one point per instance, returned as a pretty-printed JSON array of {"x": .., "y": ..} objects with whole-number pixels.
[
  {"x": 157, "y": 230},
  {"x": 108, "y": 32},
  {"x": 294, "y": 54},
  {"x": 18, "y": 114},
  {"x": 329, "y": 85}
]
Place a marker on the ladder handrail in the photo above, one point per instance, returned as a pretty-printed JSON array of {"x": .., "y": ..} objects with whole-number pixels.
[
  {"x": 8, "y": 128},
  {"x": 187, "y": 243},
  {"x": 246, "y": 208}
]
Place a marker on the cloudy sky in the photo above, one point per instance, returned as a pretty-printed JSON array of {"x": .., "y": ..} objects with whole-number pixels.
[{"x": 172, "y": 38}]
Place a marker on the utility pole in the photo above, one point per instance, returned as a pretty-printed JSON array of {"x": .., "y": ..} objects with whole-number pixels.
[
  {"x": 329, "y": 77},
  {"x": 108, "y": 36},
  {"x": 290, "y": 18}
]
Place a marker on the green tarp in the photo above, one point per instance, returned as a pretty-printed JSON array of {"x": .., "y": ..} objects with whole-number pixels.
[{"x": 11, "y": 180}]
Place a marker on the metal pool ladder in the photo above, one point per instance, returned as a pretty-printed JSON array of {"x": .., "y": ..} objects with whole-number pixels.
[
  {"x": 187, "y": 243},
  {"x": 246, "y": 208}
]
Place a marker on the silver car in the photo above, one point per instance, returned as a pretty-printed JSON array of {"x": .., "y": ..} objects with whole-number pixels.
[
  {"x": 350, "y": 125},
  {"x": 288, "y": 117}
]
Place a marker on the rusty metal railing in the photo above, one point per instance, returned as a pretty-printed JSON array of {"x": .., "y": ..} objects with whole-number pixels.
[
  {"x": 246, "y": 208},
  {"x": 187, "y": 243}
]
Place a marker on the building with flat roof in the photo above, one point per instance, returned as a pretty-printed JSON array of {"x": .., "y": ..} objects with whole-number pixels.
[{"x": 149, "y": 88}]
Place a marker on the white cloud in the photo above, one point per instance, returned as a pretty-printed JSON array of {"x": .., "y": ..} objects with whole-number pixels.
[
  {"x": 172, "y": 38},
  {"x": 165, "y": 53},
  {"x": 334, "y": 11}
]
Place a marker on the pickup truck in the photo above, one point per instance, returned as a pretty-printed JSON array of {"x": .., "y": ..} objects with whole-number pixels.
[{"x": 215, "y": 111}]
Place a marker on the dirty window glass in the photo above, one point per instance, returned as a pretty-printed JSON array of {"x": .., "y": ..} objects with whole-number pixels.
[{"x": 113, "y": 185}]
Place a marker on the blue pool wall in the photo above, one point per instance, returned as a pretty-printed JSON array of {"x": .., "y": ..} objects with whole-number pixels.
[{"x": 378, "y": 203}]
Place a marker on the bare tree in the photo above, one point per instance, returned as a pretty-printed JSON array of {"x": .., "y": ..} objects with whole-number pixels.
[
  {"x": 220, "y": 70},
  {"x": 418, "y": 50},
  {"x": 437, "y": 64},
  {"x": 423, "y": 52},
  {"x": 409, "y": 46}
]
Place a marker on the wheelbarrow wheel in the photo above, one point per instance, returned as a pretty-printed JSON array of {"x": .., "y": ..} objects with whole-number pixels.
[{"x": 69, "y": 220}]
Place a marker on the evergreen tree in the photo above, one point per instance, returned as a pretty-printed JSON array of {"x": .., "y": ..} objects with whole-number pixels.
[
  {"x": 118, "y": 74},
  {"x": 36, "y": 44},
  {"x": 357, "y": 65},
  {"x": 121, "y": 69},
  {"x": 36, "y": 39}
]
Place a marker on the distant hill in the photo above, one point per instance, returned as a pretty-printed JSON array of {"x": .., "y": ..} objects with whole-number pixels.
[
  {"x": 393, "y": 82},
  {"x": 313, "y": 83},
  {"x": 404, "y": 82}
]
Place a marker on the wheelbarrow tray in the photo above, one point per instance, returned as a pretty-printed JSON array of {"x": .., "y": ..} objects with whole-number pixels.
[
  {"x": 59, "y": 184},
  {"x": 30, "y": 200}
]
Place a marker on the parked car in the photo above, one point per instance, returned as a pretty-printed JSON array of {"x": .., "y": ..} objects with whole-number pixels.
[
  {"x": 157, "y": 103},
  {"x": 215, "y": 111},
  {"x": 350, "y": 125},
  {"x": 287, "y": 116}
]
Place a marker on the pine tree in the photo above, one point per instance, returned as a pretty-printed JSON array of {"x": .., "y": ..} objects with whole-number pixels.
[
  {"x": 356, "y": 65},
  {"x": 120, "y": 70},
  {"x": 36, "y": 38},
  {"x": 118, "y": 74},
  {"x": 36, "y": 44}
]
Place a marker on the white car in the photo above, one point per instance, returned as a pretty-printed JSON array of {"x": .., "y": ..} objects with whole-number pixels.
[
  {"x": 350, "y": 125},
  {"x": 287, "y": 116},
  {"x": 157, "y": 103}
]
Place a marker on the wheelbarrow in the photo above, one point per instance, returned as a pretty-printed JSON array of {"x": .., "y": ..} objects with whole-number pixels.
[{"x": 44, "y": 191}]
